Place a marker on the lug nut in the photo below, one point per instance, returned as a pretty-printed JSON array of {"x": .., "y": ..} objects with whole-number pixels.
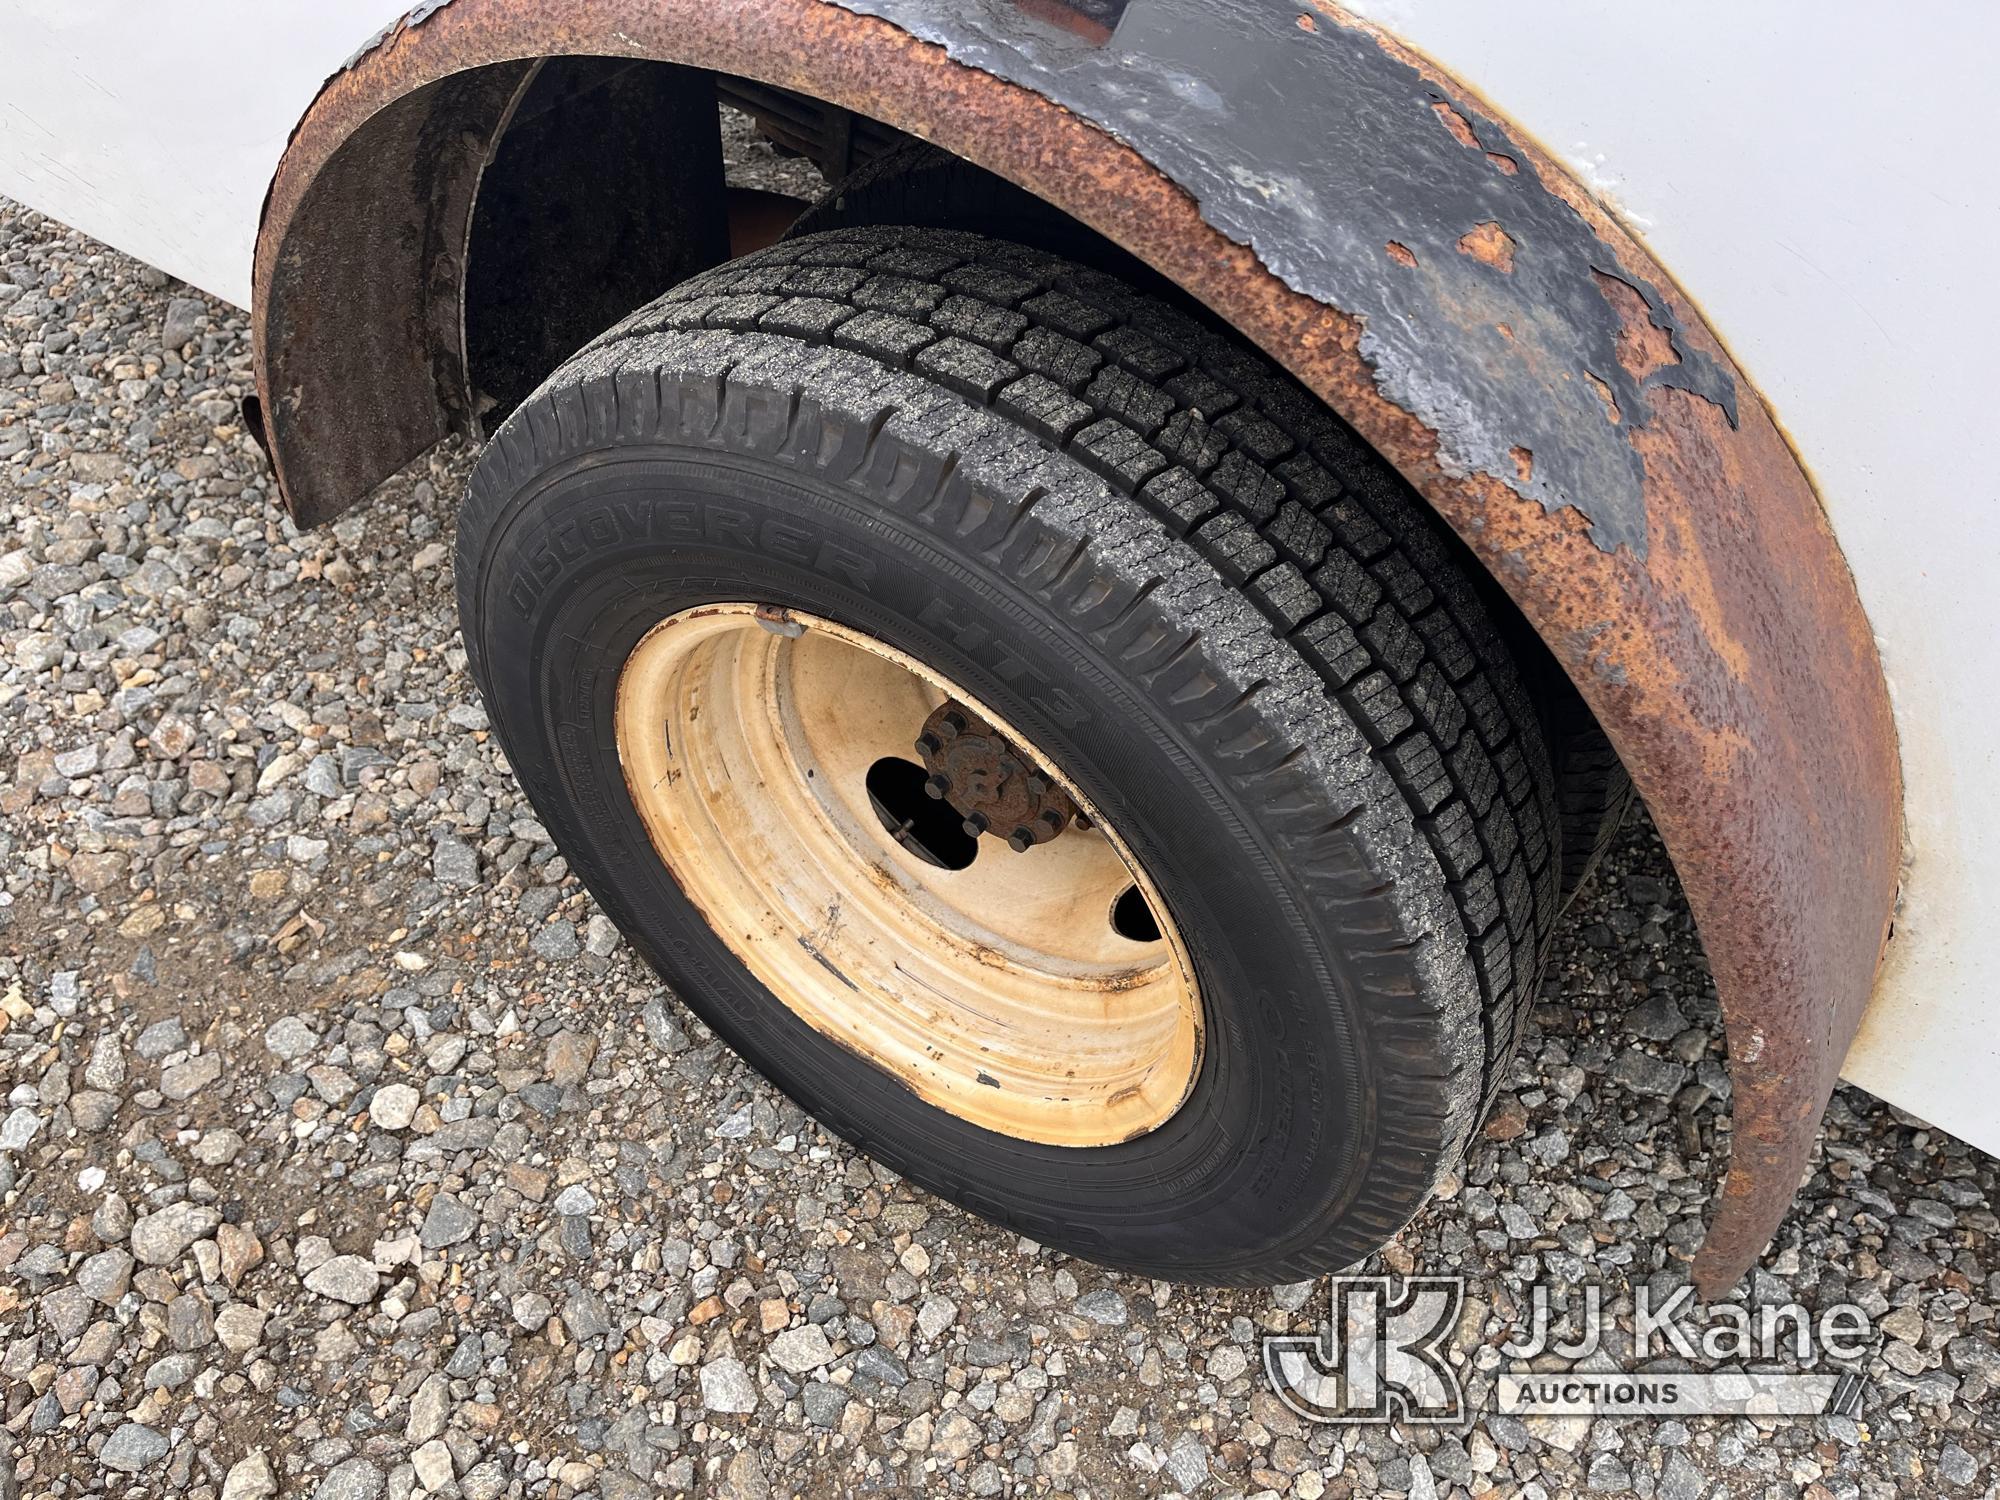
[
  {"x": 951, "y": 725},
  {"x": 1021, "y": 841},
  {"x": 938, "y": 785},
  {"x": 1053, "y": 818},
  {"x": 975, "y": 824},
  {"x": 927, "y": 744},
  {"x": 1038, "y": 784}
]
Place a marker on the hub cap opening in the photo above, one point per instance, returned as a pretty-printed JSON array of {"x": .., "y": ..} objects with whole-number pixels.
[
  {"x": 1132, "y": 917},
  {"x": 923, "y": 824}
]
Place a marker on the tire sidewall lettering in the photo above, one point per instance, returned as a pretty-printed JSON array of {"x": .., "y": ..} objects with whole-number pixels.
[{"x": 563, "y": 547}]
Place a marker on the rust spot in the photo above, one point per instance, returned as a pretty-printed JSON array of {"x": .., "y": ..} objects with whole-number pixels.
[
  {"x": 778, "y": 620},
  {"x": 1491, "y": 244},
  {"x": 1605, "y": 395},
  {"x": 1400, "y": 253},
  {"x": 1506, "y": 331},
  {"x": 1524, "y": 463},
  {"x": 1503, "y": 163},
  {"x": 1066, "y": 17},
  {"x": 1307, "y": 23},
  {"x": 1643, "y": 346},
  {"x": 758, "y": 218},
  {"x": 1461, "y": 130}
]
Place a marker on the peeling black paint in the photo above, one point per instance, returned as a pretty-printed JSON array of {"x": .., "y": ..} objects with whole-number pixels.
[{"x": 1317, "y": 149}]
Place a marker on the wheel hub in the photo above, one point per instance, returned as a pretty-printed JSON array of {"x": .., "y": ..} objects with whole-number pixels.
[
  {"x": 994, "y": 787},
  {"x": 768, "y": 753}
]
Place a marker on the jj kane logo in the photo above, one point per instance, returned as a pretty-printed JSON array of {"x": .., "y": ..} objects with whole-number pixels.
[{"x": 1385, "y": 1354}]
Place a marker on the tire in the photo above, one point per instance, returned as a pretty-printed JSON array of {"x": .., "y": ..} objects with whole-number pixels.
[
  {"x": 1227, "y": 625},
  {"x": 1592, "y": 790},
  {"x": 1593, "y": 793},
  {"x": 920, "y": 186}
]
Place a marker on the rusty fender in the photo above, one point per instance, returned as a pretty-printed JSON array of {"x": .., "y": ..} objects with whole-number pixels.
[{"x": 1423, "y": 267}]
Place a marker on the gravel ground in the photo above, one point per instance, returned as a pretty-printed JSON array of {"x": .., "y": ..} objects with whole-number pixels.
[{"x": 348, "y": 1153}]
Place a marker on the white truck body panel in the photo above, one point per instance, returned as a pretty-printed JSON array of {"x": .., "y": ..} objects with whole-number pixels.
[{"x": 1821, "y": 185}]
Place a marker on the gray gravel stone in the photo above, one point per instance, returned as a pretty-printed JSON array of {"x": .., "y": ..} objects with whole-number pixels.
[
  {"x": 531, "y": 1310},
  {"x": 433, "y": 1464},
  {"x": 351, "y": 1479},
  {"x": 20, "y": 1127},
  {"x": 824, "y": 1402},
  {"x": 1187, "y": 1463},
  {"x": 936, "y": 1315},
  {"x": 184, "y": 1080},
  {"x": 601, "y": 935},
  {"x": 1643, "y": 1073},
  {"x": 448, "y": 1222},
  {"x": 430, "y": 1409},
  {"x": 801, "y": 1349},
  {"x": 662, "y": 1030},
  {"x": 190, "y": 1325},
  {"x": 106, "y": 1067},
  {"x": 107, "y": 1275},
  {"x": 1680, "y": 1479},
  {"x": 65, "y": 1310},
  {"x": 184, "y": 320},
  {"x": 393, "y": 1107},
  {"x": 584, "y": 1314},
  {"x": 239, "y": 1328},
  {"x": 454, "y": 863},
  {"x": 134, "y": 1446},
  {"x": 1957, "y": 1467},
  {"x": 1103, "y": 1306},
  {"x": 290, "y": 1038},
  {"x": 726, "y": 1386},
  {"x": 250, "y": 1478},
  {"x": 93, "y": 1111},
  {"x": 160, "y": 1039},
  {"x": 345, "y": 1278},
  {"x": 160, "y": 1239},
  {"x": 556, "y": 941}
]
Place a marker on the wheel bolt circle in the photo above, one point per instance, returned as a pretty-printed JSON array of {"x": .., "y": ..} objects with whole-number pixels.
[{"x": 988, "y": 781}]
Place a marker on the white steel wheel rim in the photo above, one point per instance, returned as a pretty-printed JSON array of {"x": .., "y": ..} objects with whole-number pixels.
[{"x": 1001, "y": 992}]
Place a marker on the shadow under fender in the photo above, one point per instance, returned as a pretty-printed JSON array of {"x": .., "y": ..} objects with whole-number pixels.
[{"x": 1424, "y": 269}]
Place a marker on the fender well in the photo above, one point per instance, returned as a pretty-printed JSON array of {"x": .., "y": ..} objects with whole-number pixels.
[
  {"x": 1468, "y": 309},
  {"x": 590, "y": 184}
]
